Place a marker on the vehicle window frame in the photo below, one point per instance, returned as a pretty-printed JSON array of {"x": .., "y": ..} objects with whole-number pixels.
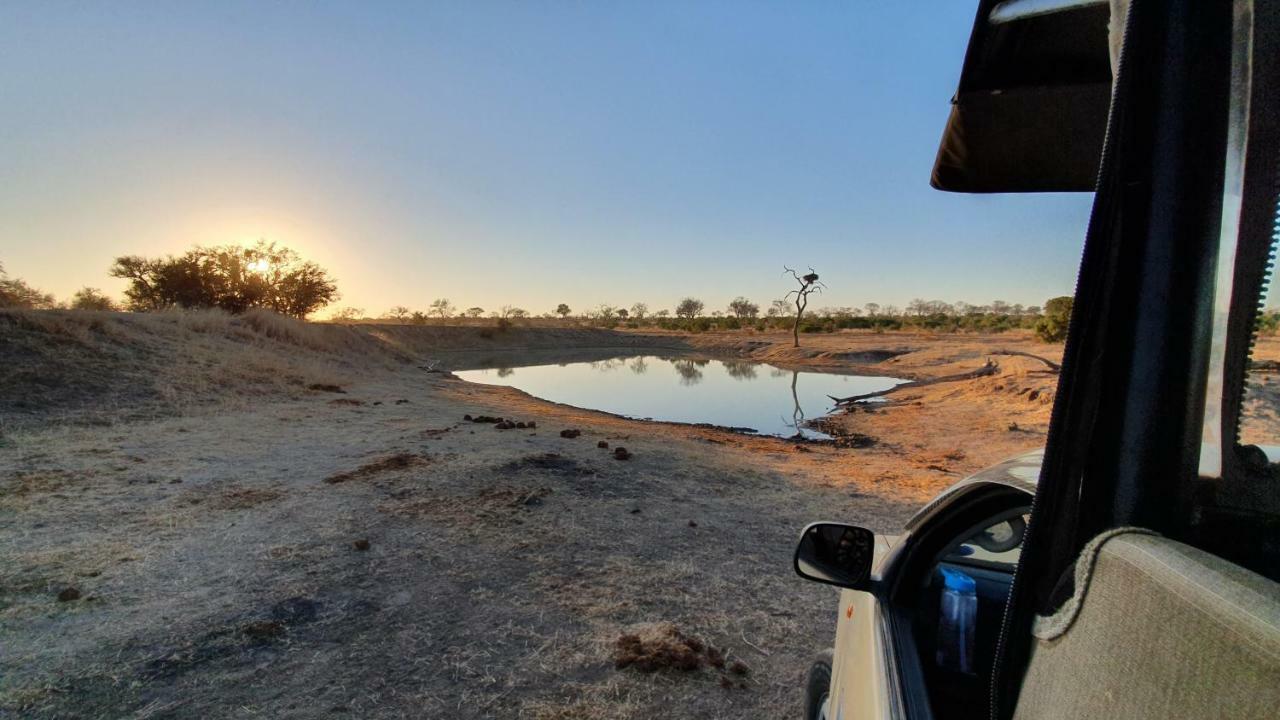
[{"x": 901, "y": 592}]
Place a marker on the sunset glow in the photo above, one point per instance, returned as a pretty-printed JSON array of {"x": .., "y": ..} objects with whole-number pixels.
[{"x": 414, "y": 151}]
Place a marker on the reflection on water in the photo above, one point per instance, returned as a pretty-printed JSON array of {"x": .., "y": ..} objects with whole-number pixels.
[
  {"x": 731, "y": 393},
  {"x": 689, "y": 372},
  {"x": 739, "y": 370}
]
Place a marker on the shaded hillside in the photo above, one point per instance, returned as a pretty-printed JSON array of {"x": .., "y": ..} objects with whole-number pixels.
[{"x": 95, "y": 367}]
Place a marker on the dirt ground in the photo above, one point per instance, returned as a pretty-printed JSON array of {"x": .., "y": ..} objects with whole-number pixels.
[{"x": 358, "y": 549}]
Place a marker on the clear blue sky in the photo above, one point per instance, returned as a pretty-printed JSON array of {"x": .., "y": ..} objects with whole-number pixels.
[{"x": 513, "y": 152}]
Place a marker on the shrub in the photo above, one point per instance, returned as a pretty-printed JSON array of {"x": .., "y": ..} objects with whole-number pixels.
[
  {"x": 1052, "y": 326},
  {"x": 17, "y": 293},
  {"x": 91, "y": 299}
]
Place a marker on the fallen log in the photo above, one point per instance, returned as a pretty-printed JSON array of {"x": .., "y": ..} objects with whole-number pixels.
[
  {"x": 1052, "y": 365},
  {"x": 990, "y": 368}
]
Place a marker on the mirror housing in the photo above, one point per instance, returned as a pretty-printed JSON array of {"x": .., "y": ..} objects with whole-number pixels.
[{"x": 836, "y": 554}]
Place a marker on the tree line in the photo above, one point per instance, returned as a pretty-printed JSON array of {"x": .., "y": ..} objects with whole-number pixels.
[{"x": 236, "y": 279}]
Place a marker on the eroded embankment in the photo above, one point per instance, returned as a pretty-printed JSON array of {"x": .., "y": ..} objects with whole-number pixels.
[{"x": 96, "y": 367}]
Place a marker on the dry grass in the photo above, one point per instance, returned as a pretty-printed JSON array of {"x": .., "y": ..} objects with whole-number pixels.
[
  {"x": 500, "y": 570},
  {"x": 91, "y": 367}
]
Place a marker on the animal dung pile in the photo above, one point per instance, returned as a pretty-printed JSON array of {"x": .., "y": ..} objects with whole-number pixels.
[{"x": 662, "y": 646}]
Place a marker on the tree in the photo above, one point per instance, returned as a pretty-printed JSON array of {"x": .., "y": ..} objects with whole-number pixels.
[
  {"x": 743, "y": 308},
  {"x": 664, "y": 314},
  {"x": 442, "y": 308},
  {"x": 563, "y": 311},
  {"x": 347, "y": 315},
  {"x": 873, "y": 309},
  {"x": 510, "y": 311},
  {"x": 780, "y": 308},
  {"x": 808, "y": 284},
  {"x": 639, "y": 311},
  {"x": 230, "y": 277},
  {"x": 399, "y": 312},
  {"x": 605, "y": 312},
  {"x": 418, "y": 318},
  {"x": 88, "y": 298},
  {"x": 689, "y": 308},
  {"x": 1052, "y": 326},
  {"x": 474, "y": 312},
  {"x": 15, "y": 292},
  {"x": 622, "y": 313}
]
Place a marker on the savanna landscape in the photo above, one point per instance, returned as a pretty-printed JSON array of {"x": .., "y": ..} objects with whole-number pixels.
[
  {"x": 230, "y": 515},
  {"x": 486, "y": 360}
]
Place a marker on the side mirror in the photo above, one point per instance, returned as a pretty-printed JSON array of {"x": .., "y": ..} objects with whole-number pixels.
[{"x": 836, "y": 554}]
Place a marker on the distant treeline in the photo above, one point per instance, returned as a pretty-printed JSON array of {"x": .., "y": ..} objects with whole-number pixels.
[
  {"x": 1050, "y": 323},
  {"x": 235, "y": 279}
]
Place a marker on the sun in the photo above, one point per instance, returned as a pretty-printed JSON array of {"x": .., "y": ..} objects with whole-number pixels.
[{"x": 259, "y": 266}]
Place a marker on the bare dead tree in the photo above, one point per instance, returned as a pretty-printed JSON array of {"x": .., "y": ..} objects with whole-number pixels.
[{"x": 808, "y": 285}]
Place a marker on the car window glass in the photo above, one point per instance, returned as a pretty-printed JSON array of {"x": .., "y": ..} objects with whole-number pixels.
[{"x": 998, "y": 545}]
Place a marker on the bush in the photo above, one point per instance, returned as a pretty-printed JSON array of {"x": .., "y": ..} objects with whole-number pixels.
[
  {"x": 1052, "y": 326},
  {"x": 17, "y": 293},
  {"x": 91, "y": 299},
  {"x": 1268, "y": 322}
]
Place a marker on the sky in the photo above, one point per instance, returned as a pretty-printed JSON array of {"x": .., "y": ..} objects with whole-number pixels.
[{"x": 522, "y": 153}]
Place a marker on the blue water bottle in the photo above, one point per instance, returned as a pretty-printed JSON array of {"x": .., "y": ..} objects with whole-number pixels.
[{"x": 959, "y": 610}]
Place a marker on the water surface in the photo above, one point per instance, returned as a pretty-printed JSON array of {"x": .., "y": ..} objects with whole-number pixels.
[{"x": 731, "y": 393}]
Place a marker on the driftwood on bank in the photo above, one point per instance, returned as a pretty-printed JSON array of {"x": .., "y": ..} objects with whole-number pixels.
[
  {"x": 1052, "y": 365},
  {"x": 990, "y": 368}
]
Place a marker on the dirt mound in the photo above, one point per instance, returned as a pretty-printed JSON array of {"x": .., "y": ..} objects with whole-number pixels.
[
  {"x": 391, "y": 463},
  {"x": 83, "y": 367}
]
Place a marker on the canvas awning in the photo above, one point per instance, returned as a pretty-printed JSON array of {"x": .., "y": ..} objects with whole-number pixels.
[{"x": 1031, "y": 109}]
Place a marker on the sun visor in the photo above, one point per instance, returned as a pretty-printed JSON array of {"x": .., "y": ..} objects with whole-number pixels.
[{"x": 1031, "y": 109}]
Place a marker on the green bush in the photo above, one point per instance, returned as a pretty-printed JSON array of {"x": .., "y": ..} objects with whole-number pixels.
[{"x": 1052, "y": 326}]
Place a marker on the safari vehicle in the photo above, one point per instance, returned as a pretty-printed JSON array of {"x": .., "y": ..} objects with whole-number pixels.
[{"x": 1130, "y": 570}]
